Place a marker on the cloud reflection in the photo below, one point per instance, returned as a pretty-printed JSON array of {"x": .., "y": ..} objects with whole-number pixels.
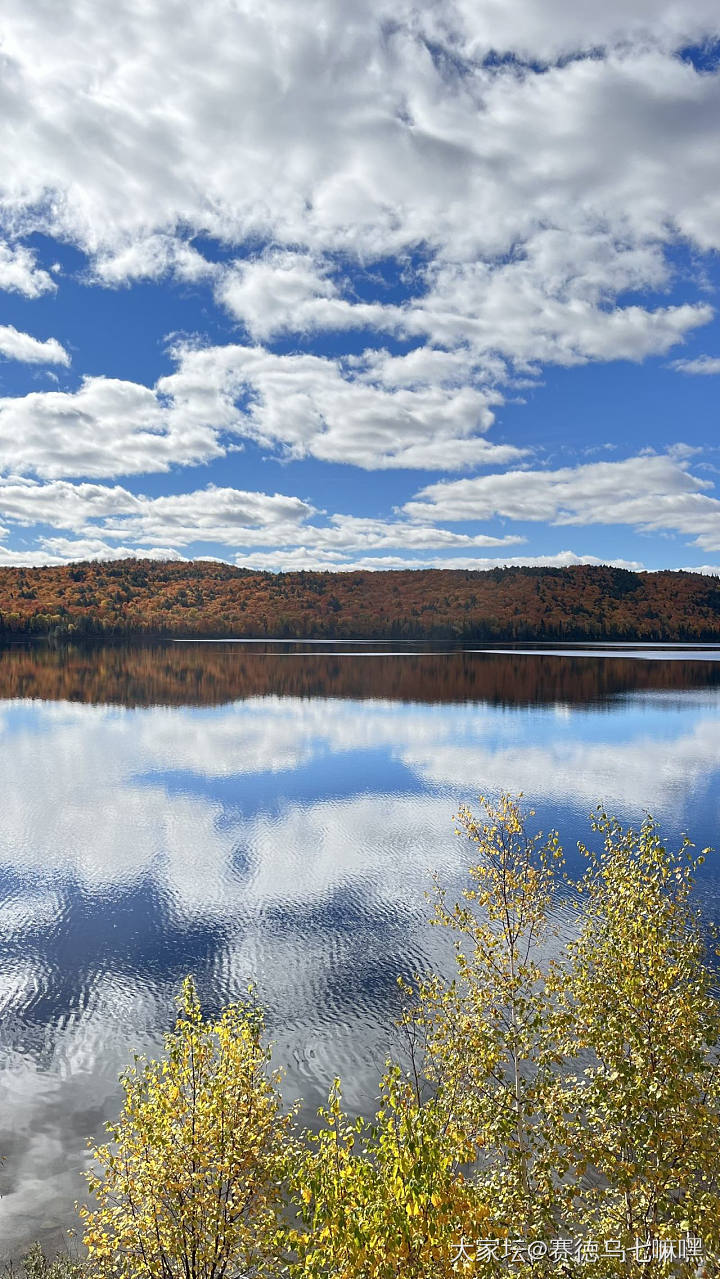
[{"x": 287, "y": 839}]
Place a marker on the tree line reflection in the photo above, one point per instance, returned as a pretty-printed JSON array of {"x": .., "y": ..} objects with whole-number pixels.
[{"x": 172, "y": 674}]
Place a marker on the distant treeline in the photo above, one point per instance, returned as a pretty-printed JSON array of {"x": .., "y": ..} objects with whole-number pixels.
[{"x": 141, "y": 597}]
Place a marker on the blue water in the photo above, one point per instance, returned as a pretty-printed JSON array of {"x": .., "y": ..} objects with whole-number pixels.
[{"x": 286, "y": 837}]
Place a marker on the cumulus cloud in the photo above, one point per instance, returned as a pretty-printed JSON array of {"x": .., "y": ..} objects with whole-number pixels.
[
  {"x": 294, "y": 405},
  {"x": 19, "y": 272},
  {"x": 63, "y": 550},
  {"x": 21, "y": 346},
  {"x": 20, "y": 558},
  {"x": 339, "y": 411},
  {"x": 232, "y": 518},
  {"x": 60, "y": 550},
  {"x": 61, "y": 503},
  {"x": 366, "y": 130},
  {"x": 151, "y": 258},
  {"x": 260, "y": 530},
  {"x": 649, "y": 492},
  {"x": 283, "y": 531},
  {"x": 352, "y": 129},
  {"x": 100, "y": 516},
  {"x": 281, "y": 291},
  {"x": 304, "y": 558},
  {"x": 552, "y": 303},
  {"x": 527, "y": 170},
  {"x": 550, "y": 29},
  {"x": 107, "y": 427},
  {"x": 213, "y": 514},
  {"x": 182, "y": 517},
  {"x": 703, "y": 365}
]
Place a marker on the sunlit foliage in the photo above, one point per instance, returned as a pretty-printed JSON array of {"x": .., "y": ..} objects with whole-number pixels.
[
  {"x": 190, "y": 1185},
  {"x": 550, "y": 1093},
  {"x": 387, "y": 1198},
  {"x": 636, "y": 1002},
  {"x": 553, "y": 1090}
]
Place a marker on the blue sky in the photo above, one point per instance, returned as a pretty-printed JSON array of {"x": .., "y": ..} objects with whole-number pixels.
[{"x": 392, "y": 285}]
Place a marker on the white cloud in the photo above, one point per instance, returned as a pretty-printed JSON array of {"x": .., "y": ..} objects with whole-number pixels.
[
  {"x": 226, "y": 516},
  {"x": 19, "y": 272},
  {"x": 703, "y": 364},
  {"x": 427, "y": 409},
  {"x": 182, "y": 517},
  {"x": 61, "y": 503},
  {"x": 308, "y": 559},
  {"x": 282, "y": 531},
  {"x": 63, "y": 550},
  {"x": 274, "y": 531},
  {"x": 21, "y": 346},
  {"x": 281, "y": 291},
  {"x": 549, "y": 29},
  {"x": 352, "y": 532},
  {"x": 295, "y": 405},
  {"x": 357, "y": 131},
  {"x": 552, "y": 303},
  {"x": 233, "y": 518},
  {"x": 529, "y": 211},
  {"x": 649, "y": 492},
  {"x": 309, "y": 406},
  {"x": 60, "y": 550},
  {"x": 150, "y": 259},
  {"x": 21, "y": 558},
  {"x": 107, "y": 427}
]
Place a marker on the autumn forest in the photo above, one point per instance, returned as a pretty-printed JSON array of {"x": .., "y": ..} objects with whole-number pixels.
[{"x": 140, "y": 597}]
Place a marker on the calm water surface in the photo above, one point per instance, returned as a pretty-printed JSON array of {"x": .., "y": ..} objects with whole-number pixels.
[{"x": 272, "y": 812}]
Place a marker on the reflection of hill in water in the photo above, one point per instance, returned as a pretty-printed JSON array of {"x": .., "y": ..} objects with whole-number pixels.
[{"x": 179, "y": 675}]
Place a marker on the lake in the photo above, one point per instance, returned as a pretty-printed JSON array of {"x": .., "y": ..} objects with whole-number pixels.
[{"x": 272, "y": 812}]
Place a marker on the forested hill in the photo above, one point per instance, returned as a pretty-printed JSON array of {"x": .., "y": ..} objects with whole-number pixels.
[{"x": 213, "y": 599}]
